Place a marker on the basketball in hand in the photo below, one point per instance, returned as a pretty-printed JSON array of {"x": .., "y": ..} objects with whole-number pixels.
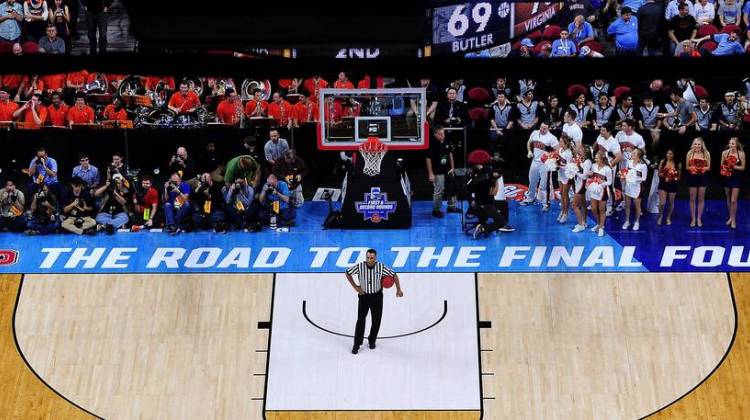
[{"x": 387, "y": 282}]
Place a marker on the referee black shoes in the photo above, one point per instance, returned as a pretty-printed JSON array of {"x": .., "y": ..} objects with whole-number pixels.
[
  {"x": 355, "y": 349},
  {"x": 372, "y": 344}
]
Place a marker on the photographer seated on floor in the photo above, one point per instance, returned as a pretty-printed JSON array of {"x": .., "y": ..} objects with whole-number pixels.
[
  {"x": 483, "y": 186},
  {"x": 145, "y": 205},
  {"x": 274, "y": 204},
  {"x": 12, "y": 202},
  {"x": 78, "y": 207},
  {"x": 177, "y": 208},
  {"x": 44, "y": 214},
  {"x": 113, "y": 207},
  {"x": 241, "y": 206},
  {"x": 208, "y": 205}
]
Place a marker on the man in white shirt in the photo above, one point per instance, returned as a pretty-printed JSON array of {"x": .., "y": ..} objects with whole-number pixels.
[
  {"x": 540, "y": 143},
  {"x": 572, "y": 129}
]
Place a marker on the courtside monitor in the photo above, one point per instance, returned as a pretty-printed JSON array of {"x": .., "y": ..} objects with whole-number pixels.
[{"x": 395, "y": 116}]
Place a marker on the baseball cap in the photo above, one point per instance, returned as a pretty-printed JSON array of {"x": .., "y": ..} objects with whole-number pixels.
[
  {"x": 527, "y": 42},
  {"x": 585, "y": 50}
]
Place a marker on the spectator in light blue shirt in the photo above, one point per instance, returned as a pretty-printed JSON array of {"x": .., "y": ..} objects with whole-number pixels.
[
  {"x": 11, "y": 16},
  {"x": 87, "y": 172},
  {"x": 625, "y": 31},
  {"x": 563, "y": 47},
  {"x": 728, "y": 44},
  {"x": 634, "y": 5},
  {"x": 43, "y": 171},
  {"x": 275, "y": 147},
  {"x": 581, "y": 31}
]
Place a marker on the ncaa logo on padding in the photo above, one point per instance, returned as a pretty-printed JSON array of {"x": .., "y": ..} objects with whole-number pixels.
[
  {"x": 515, "y": 191},
  {"x": 375, "y": 206},
  {"x": 8, "y": 256}
]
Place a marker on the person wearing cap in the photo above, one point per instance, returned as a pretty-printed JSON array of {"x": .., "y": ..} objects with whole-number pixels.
[
  {"x": 625, "y": 31},
  {"x": 728, "y": 44},
  {"x": 727, "y": 112},
  {"x": 7, "y": 107},
  {"x": 87, "y": 172},
  {"x": 587, "y": 52},
  {"x": 526, "y": 49}
]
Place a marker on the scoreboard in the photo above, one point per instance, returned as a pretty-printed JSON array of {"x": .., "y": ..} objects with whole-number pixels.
[{"x": 466, "y": 27}]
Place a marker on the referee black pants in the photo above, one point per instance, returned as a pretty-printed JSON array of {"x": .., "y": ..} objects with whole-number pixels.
[{"x": 372, "y": 303}]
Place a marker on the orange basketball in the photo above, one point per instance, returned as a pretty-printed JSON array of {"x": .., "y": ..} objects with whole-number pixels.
[{"x": 387, "y": 282}]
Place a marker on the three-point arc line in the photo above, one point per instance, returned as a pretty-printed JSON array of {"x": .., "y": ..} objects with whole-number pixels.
[{"x": 304, "y": 313}]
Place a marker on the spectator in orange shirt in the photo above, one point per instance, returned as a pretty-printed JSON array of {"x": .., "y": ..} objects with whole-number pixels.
[
  {"x": 313, "y": 87},
  {"x": 343, "y": 82},
  {"x": 184, "y": 101},
  {"x": 29, "y": 87},
  {"x": 34, "y": 113},
  {"x": 115, "y": 111},
  {"x": 53, "y": 83},
  {"x": 11, "y": 83},
  {"x": 58, "y": 111},
  {"x": 256, "y": 107},
  {"x": 229, "y": 111},
  {"x": 7, "y": 107},
  {"x": 305, "y": 110},
  {"x": 281, "y": 111},
  {"x": 80, "y": 113}
]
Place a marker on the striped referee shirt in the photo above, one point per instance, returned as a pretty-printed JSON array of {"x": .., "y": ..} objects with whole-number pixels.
[{"x": 369, "y": 277}]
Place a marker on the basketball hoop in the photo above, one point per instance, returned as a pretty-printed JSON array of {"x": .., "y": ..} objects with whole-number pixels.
[{"x": 372, "y": 152}]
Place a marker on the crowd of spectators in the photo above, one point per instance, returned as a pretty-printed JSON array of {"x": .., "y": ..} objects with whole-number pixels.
[
  {"x": 595, "y": 28},
  {"x": 48, "y": 26}
]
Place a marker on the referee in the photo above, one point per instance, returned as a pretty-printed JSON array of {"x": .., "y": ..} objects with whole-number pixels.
[{"x": 370, "y": 294}]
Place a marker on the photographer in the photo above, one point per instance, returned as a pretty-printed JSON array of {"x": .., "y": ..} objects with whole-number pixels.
[
  {"x": 292, "y": 169},
  {"x": 208, "y": 205},
  {"x": 43, "y": 212},
  {"x": 145, "y": 204},
  {"x": 483, "y": 186},
  {"x": 118, "y": 166},
  {"x": 440, "y": 169},
  {"x": 274, "y": 202},
  {"x": 43, "y": 170},
  {"x": 241, "y": 207},
  {"x": 452, "y": 112},
  {"x": 177, "y": 208},
  {"x": 183, "y": 165},
  {"x": 115, "y": 196},
  {"x": 245, "y": 167},
  {"x": 77, "y": 209},
  {"x": 12, "y": 202}
]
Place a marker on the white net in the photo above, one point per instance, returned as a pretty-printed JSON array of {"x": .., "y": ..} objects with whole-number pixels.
[{"x": 372, "y": 152}]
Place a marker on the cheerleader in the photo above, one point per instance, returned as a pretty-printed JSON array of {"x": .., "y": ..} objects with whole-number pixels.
[
  {"x": 566, "y": 171},
  {"x": 540, "y": 143},
  {"x": 732, "y": 167},
  {"x": 669, "y": 177},
  {"x": 598, "y": 188},
  {"x": 631, "y": 178},
  {"x": 698, "y": 163},
  {"x": 583, "y": 162}
]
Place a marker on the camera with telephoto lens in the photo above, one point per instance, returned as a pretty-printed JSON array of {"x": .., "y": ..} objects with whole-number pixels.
[
  {"x": 78, "y": 222},
  {"x": 270, "y": 190},
  {"x": 42, "y": 197},
  {"x": 12, "y": 198}
]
